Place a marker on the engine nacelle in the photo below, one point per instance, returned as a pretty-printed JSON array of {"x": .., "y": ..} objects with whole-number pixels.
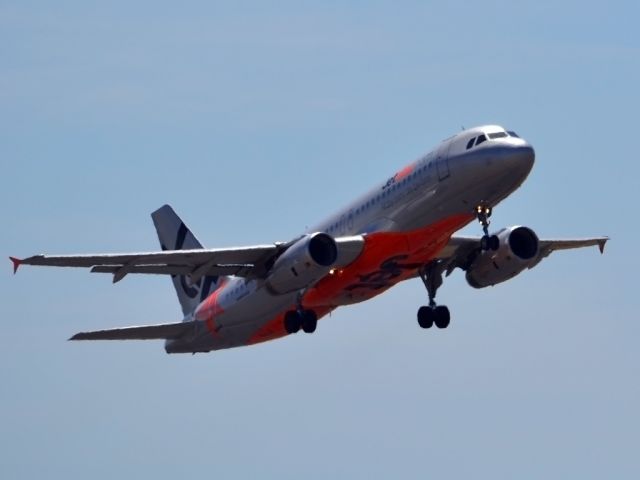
[
  {"x": 517, "y": 250},
  {"x": 303, "y": 263}
]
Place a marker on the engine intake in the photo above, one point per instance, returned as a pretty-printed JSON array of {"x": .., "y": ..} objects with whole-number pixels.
[
  {"x": 518, "y": 249},
  {"x": 323, "y": 249},
  {"x": 523, "y": 243},
  {"x": 303, "y": 263}
]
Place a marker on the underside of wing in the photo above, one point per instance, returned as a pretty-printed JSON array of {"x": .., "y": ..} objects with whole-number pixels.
[
  {"x": 461, "y": 251},
  {"x": 566, "y": 244},
  {"x": 147, "y": 332},
  {"x": 548, "y": 246},
  {"x": 242, "y": 261}
]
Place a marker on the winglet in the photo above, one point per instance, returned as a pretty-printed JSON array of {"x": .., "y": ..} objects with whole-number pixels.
[
  {"x": 602, "y": 243},
  {"x": 16, "y": 263}
]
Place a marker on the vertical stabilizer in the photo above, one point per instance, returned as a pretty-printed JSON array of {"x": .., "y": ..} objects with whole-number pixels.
[{"x": 174, "y": 235}]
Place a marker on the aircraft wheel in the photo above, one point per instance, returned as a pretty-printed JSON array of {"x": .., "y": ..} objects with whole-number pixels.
[
  {"x": 309, "y": 321},
  {"x": 425, "y": 317},
  {"x": 292, "y": 321},
  {"x": 442, "y": 317}
]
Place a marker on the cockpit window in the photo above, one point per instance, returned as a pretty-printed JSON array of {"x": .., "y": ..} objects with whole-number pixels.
[
  {"x": 475, "y": 141},
  {"x": 513, "y": 134},
  {"x": 498, "y": 135}
]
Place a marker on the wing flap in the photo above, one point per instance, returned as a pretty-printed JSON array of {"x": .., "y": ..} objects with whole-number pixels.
[
  {"x": 146, "y": 332},
  {"x": 171, "y": 269}
]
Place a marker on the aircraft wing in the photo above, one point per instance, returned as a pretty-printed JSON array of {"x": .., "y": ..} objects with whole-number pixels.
[
  {"x": 241, "y": 261},
  {"x": 248, "y": 262},
  {"x": 460, "y": 251}
]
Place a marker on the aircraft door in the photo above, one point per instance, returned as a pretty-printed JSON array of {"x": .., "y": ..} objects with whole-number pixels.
[{"x": 442, "y": 161}]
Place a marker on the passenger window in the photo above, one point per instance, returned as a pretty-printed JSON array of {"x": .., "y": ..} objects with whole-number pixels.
[
  {"x": 470, "y": 144},
  {"x": 481, "y": 139}
]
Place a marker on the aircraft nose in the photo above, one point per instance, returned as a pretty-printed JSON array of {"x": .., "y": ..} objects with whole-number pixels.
[
  {"x": 525, "y": 154},
  {"x": 521, "y": 158},
  {"x": 495, "y": 170}
]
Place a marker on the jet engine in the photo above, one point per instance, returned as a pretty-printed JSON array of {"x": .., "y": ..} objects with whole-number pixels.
[
  {"x": 305, "y": 262},
  {"x": 517, "y": 250}
]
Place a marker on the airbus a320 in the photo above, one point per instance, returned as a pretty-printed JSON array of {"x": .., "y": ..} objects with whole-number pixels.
[{"x": 404, "y": 228}]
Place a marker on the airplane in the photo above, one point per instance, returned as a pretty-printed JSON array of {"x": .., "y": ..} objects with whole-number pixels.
[{"x": 403, "y": 228}]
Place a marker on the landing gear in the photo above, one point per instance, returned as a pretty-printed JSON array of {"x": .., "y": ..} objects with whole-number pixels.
[
  {"x": 309, "y": 321},
  {"x": 438, "y": 316},
  {"x": 300, "y": 318},
  {"x": 487, "y": 242},
  {"x": 425, "y": 317},
  {"x": 294, "y": 320},
  {"x": 433, "y": 314}
]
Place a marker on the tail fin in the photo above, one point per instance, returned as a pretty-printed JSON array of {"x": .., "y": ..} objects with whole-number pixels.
[{"x": 174, "y": 235}]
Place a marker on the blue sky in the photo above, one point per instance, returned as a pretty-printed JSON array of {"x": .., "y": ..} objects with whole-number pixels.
[{"x": 254, "y": 121}]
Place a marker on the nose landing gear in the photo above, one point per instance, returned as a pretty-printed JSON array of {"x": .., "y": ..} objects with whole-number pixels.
[
  {"x": 487, "y": 242},
  {"x": 433, "y": 314}
]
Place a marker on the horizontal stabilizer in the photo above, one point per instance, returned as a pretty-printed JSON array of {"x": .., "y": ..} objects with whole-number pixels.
[
  {"x": 146, "y": 332},
  {"x": 16, "y": 263}
]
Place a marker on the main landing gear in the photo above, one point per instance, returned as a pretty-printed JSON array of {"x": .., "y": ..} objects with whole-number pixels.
[
  {"x": 294, "y": 320},
  {"x": 438, "y": 315},
  {"x": 300, "y": 318},
  {"x": 487, "y": 242}
]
